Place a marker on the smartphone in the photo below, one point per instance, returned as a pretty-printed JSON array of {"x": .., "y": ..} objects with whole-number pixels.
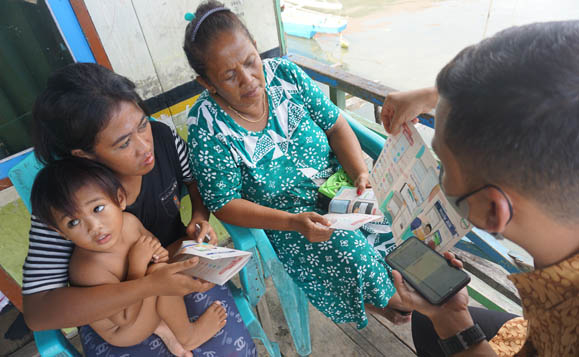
[{"x": 428, "y": 272}]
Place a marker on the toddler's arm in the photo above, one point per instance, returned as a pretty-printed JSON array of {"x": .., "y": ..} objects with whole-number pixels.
[{"x": 140, "y": 255}]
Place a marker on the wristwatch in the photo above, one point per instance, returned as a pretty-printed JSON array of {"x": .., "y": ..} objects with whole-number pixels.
[{"x": 462, "y": 340}]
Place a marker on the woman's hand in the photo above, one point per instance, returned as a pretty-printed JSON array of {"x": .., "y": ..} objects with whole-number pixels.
[
  {"x": 362, "y": 183},
  {"x": 313, "y": 226},
  {"x": 204, "y": 229},
  {"x": 171, "y": 282},
  {"x": 402, "y": 107}
]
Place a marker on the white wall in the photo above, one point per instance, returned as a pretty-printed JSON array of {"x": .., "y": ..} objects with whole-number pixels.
[{"x": 144, "y": 38}]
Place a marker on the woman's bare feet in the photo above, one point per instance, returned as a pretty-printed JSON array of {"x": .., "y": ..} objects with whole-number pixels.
[
  {"x": 396, "y": 316},
  {"x": 170, "y": 340},
  {"x": 207, "y": 325}
]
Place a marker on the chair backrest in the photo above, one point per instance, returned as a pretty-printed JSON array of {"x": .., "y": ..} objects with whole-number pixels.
[{"x": 22, "y": 176}]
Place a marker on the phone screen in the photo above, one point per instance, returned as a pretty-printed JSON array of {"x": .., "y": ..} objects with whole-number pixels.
[{"x": 427, "y": 271}]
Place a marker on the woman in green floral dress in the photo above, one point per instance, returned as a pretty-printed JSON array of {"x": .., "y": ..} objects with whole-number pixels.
[{"x": 262, "y": 138}]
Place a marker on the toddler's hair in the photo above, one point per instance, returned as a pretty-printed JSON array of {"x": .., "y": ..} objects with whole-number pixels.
[{"x": 56, "y": 185}]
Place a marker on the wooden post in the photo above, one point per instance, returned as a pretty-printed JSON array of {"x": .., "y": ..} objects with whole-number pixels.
[
  {"x": 11, "y": 289},
  {"x": 338, "y": 97}
]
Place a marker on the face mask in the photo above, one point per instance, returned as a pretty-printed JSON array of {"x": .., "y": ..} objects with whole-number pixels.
[{"x": 460, "y": 204}]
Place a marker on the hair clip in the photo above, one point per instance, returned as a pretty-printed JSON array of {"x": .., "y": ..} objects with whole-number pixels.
[{"x": 189, "y": 16}]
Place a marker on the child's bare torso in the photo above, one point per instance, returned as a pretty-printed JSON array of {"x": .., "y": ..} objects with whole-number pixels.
[{"x": 90, "y": 268}]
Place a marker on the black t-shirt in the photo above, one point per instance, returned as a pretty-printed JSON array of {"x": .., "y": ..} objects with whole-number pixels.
[{"x": 162, "y": 187}]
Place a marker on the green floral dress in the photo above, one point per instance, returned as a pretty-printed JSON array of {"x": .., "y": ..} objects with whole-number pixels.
[{"x": 282, "y": 167}]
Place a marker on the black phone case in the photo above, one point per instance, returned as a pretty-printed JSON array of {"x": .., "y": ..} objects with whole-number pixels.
[{"x": 445, "y": 298}]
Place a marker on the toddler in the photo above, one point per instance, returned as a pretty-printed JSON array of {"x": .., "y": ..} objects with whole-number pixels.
[{"x": 84, "y": 202}]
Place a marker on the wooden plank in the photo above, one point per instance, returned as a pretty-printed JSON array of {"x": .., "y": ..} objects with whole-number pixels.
[
  {"x": 490, "y": 296},
  {"x": 263, "y": 315},
  {"x": 90, "y": 33},
  {"x": 5, "y": 183},
  {"x": 163, "y": 26},
  {"x": 11, "y": 289},
  {"x": 322, "y": 331},
  {"x": 376, "y": 340},
  {"x": 490, "y": 273},
  {"x": 122, "y": 38},
  {"x": 402, "y": 332}
]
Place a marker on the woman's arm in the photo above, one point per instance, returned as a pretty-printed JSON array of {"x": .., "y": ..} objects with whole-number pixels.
[
  {"x": 347, "y": 148},
  {"x": 244, "y": 213},
  {"x": 73, "y": 306},
  {"x": 199, "y": 216}
]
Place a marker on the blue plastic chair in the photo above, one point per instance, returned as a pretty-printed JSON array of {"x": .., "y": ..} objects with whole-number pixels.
[{"x": 53, "y": 343}]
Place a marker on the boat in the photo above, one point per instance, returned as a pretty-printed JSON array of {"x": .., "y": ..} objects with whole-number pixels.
[
  {"x": 319, "y": 5},
  {"x": 301, "y": 22}
]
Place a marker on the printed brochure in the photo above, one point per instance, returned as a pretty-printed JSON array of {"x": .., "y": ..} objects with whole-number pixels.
[
  {"x": 406, "y": 184},
  {"x": 348, "y": 211},
  {"x": 216, "y": 264}
]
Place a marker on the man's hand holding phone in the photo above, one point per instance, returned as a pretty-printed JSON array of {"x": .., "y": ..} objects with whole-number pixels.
[{"x": 450, "y": 317}]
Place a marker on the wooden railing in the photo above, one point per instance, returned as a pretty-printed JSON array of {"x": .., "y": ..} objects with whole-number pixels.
[{"x": 341, "y": 82}]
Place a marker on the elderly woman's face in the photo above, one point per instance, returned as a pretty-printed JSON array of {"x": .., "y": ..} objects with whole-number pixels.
[{"x": 234, "y": 69}]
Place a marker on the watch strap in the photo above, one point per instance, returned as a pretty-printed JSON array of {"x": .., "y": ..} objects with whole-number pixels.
[{"x": 462, "y": 340}]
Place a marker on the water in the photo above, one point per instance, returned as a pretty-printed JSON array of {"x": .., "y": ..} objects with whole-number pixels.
[{"x": 404, "y": 43}]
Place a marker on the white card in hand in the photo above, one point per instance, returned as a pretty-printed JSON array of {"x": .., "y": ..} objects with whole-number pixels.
[{"x": 350, "y": 221}]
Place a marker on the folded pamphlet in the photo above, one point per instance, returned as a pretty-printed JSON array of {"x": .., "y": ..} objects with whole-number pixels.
[
  {"x": 406, "y": 184},
  {"x": 216, "y": 264}
]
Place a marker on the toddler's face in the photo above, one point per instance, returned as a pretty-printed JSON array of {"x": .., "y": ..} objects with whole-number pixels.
[{"x": 97, "y": 224}]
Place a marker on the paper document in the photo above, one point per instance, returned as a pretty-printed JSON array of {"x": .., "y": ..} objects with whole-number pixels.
[
  {"x": 348, "y": 201},
  {"x": 216, "y": 264},
  {"x": 406, "y": 184},
  {"x": 350, "y": 222}
]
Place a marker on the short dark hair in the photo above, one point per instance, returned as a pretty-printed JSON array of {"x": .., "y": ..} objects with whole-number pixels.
[
  {"x": 210, "y": 28},
  {"x": 56, "y": 185},
  {"x": 514, "y": 112},
  {"x": 77, "y": 103}
]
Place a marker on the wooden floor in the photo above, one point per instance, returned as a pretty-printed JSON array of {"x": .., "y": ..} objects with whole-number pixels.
[{"x": 379, "y": 338}]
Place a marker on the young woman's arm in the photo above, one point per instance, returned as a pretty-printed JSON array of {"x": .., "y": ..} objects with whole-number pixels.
[
  {"x": 349, "y": 153},
  {"x": 199, "y": 216},
  {"x": 199, "y": 213},
  {"x": 72, "y": 306}
]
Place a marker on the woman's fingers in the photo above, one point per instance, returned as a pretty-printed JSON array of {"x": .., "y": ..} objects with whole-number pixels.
[
  {"x": 362, "y": 183},
  {"x": 203, "y": 230},
  {"x": 317, "y": 218},
  {"x": 213, "y": 236}
]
